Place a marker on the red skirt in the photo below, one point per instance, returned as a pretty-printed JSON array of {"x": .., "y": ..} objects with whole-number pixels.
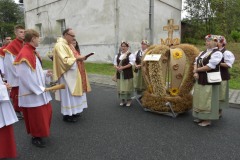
[
  {"x": 7, "y": 143},
  {"x": 38, "y": 120},
  {"x": 14, "y": 97}
]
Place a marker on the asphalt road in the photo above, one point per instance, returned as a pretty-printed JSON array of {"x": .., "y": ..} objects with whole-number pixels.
[{"x": 106, "y": 131}]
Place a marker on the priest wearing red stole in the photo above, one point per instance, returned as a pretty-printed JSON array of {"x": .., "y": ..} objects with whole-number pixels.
[
  {"x": 68, "y": 69},
  {"x": 7, "y": 40},
  {"x": 33, "y": 99},
  {"x": 7, "y": 118},
  {"x": 11, "y": 51}
]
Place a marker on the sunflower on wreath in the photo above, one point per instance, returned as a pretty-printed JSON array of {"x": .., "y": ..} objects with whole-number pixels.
[
  {"x": 177, "y": 54},
  {"x": 173, "y": 91}
]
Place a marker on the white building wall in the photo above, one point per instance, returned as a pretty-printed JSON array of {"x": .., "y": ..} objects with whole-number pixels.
[
  {"x": 163, "y": 11},
  {"x": 100, "y": 25},
  {"x": 134, "y": 22}
]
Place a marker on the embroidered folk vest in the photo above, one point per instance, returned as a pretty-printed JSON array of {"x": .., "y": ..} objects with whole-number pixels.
[
  {"x": 202, "y": 62},
  {"x": 127, "y": 73},
  {"x": 224, "y": 71},
  {"x": 138, "y": 60}
]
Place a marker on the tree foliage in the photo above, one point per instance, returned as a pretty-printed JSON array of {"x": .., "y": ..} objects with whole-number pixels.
[
  {"x": 10, "y": 15},
  {"x": 212, "y": 16}
]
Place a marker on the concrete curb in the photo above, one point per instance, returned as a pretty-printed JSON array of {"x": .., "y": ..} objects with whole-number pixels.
[{"x": 234, "y": 95}]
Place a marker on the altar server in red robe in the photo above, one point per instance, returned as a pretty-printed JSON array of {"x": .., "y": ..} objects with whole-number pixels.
[
  {"x": 7, "y": 118},
  {"x": 33, "y": 99},
  {"x": 11, "y": 51}
]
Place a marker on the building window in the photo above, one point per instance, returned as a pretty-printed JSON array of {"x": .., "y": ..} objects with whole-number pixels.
[
  {"x": 39, "y": 29},
  {"x": 62, "y": 25}
]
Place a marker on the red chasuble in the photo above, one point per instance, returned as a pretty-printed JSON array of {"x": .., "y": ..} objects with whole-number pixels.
[
  {"x": 14, "y": 47},
  {"x": 28, "y": 55},
  {"x": 2, "y": 54}
]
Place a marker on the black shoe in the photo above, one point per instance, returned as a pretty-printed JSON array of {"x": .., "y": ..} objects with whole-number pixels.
[
  {"x": 77, "y": 115},
  {"x": 67, "y": 118},
  {"x": 38, "y": 142},
  {"x": 73, "y": 118},
  {"x": 19, "y": 115}
]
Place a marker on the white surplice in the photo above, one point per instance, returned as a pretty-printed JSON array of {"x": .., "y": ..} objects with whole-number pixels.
[
  {"x": 132, "y": 58},
  {"x": 2, "y": 64},
  {"x": 229, "y": 57},
  {"x": 32, "y": 85},
  {"x": 10, "y": 70},
  {"x": 214, "y": 59},
  {"x": 7, "y": 113},
  {"x": 71, "y": 104}
]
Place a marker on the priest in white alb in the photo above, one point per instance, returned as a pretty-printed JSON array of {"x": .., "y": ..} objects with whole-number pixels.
[{"x": 67, "y": 70}]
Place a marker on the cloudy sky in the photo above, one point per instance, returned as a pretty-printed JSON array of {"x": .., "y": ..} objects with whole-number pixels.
[{"x": 183, "y": 13}]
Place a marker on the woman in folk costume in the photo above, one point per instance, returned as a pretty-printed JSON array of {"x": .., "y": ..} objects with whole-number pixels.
[
  {"x": 67, "y": 63},
  {"x": 226, "y": 63},
  {"x": 123, "y": 63},
  {"x": 33, "y": 99},
  {"x": 7, "y": 118},
  {"x": 206, "y": 95},
  {"x": 139, "y": 83}
]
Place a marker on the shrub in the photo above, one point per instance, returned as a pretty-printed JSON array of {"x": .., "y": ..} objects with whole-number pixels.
[{"x": 235, "y": 35}]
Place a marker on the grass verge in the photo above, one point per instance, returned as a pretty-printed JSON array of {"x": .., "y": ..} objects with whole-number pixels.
[{"x": 107, "y": 69}]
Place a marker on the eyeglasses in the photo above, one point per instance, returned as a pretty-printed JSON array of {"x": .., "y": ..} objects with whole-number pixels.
[{"x": 71, "y": 35}]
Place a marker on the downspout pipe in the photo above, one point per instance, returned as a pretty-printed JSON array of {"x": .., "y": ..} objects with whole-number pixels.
[
  {"x": 151, "y": 21},
  {"x": 116, "y": 25}
]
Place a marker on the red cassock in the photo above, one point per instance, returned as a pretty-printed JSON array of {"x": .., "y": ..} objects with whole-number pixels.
[
  {"x": 2, "y": 54},
  {"x": 14, "y": 48},
  {"x": 14, "y": 97},
  {"x": 7, "y": 142},
  {"x": 38, "y": 120}
]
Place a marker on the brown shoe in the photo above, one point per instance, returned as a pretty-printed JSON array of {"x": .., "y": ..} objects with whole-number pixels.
[
  {"x": 122, "y": 102},
  {"x": 128, "y": 103},
  {"x": 197, "y": 120},
  {"x": 204, "y": 123}
]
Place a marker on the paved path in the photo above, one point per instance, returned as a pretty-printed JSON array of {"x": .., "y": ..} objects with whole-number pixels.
[
  {"x": 106, "y": 131},
  {"x": 234, "y": 95}
]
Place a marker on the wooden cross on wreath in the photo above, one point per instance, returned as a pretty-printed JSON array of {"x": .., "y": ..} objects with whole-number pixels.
[{"x": 170, "y": 28}]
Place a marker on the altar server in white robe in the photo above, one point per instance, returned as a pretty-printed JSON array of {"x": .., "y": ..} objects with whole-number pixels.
[
  {"x": 11, "y": 51},
  {"x": 33, "y": 99},
  {"x": 7, "y": 118},
  {"x": 7, "y": 40}
]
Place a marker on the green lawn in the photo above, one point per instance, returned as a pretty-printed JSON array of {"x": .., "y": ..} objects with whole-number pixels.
[
  {"x": 94, "y": 68},
  {"x": 107, "y": 69},
  {"x": 100, "y": 68}
]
